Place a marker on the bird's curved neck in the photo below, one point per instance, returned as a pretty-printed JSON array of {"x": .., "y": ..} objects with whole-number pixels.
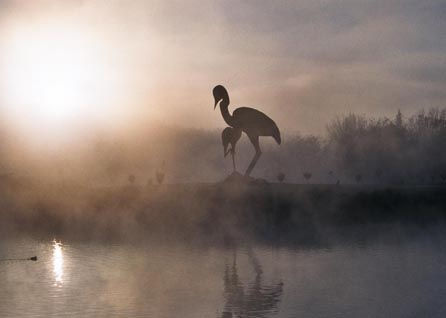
[{"x": 224, "y": 105}]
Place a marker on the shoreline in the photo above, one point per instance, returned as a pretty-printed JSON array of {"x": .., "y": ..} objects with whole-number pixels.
[{"x": 219, "y": 211}]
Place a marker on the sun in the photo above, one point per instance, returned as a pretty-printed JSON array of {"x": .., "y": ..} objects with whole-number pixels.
[{"x": 52, "y": 74}]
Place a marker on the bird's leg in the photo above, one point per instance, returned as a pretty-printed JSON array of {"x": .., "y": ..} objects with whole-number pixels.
[
  {"x": 233, "y": 160},
  {"x": 237, "y": 133},
  {"x": 255, "y": 142}
]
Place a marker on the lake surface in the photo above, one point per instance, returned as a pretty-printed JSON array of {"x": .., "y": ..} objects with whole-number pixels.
[{"x": 404, "y": 278}]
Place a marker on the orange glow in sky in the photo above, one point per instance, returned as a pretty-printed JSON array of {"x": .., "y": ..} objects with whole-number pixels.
[{"x": 54, "y": 74}]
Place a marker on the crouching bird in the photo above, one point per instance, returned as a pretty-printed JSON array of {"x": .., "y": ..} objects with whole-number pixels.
[{"x": 229, "y": 137}]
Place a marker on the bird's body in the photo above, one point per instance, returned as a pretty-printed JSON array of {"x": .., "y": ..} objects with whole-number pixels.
[
  {"x": 254, "y": 122},
  {"x": 249, "y": 120}
]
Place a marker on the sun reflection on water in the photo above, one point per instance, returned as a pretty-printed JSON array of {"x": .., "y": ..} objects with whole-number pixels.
[{"x": 57, "y": 263}]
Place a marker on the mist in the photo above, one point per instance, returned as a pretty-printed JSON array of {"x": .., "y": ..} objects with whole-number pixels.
[
  {"x": 121, "y": 186},
  {"x": 355, "y": 149}
]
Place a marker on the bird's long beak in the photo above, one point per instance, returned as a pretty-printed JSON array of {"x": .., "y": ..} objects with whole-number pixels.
[
  {"x": 226, "y": 151},
  {"x": 216, "y": 102}
]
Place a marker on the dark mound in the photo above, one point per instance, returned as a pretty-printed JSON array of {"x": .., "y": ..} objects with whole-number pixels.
[{"x": 237, "y": 178}]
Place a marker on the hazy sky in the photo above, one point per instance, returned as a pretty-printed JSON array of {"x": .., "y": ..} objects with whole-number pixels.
[{"x": 301, "y": 62}]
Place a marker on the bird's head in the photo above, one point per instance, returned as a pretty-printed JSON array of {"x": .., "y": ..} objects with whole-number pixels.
[
  {"x": 220, "y": 93},
  {"x": 226, "y": 137}
]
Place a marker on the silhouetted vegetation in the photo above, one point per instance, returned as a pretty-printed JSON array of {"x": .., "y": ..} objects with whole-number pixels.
[
  {"x": 409, "y": 150},
  {"x": 160, "y": 177},
  {"x": 307, "y": 176},
  {"x": 160, "y": 173}
]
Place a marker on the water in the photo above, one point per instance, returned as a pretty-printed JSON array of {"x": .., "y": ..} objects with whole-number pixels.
[{"x": 73, "y": 279}]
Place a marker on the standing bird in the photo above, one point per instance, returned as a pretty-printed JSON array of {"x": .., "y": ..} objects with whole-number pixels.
[
  {"x": 249, "y": 120},
  {"x": 230, "y": 136}
]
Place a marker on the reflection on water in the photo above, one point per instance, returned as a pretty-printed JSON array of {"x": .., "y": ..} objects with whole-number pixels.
[
  {"x": 258, "y": 301},
  {"x": 91, "y": 279},
  {"x": 57, "y": 263}
]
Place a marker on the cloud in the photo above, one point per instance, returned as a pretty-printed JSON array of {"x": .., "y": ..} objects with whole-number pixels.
[{"x": 302, "y": 62}]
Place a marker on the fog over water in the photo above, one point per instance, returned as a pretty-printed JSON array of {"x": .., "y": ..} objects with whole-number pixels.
[{"x": 398, "y": 279}]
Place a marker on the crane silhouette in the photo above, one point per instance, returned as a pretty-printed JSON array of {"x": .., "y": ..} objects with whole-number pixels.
[
  {"x": 249, "y": 120},
  {"x": 230, "y": 136}
]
